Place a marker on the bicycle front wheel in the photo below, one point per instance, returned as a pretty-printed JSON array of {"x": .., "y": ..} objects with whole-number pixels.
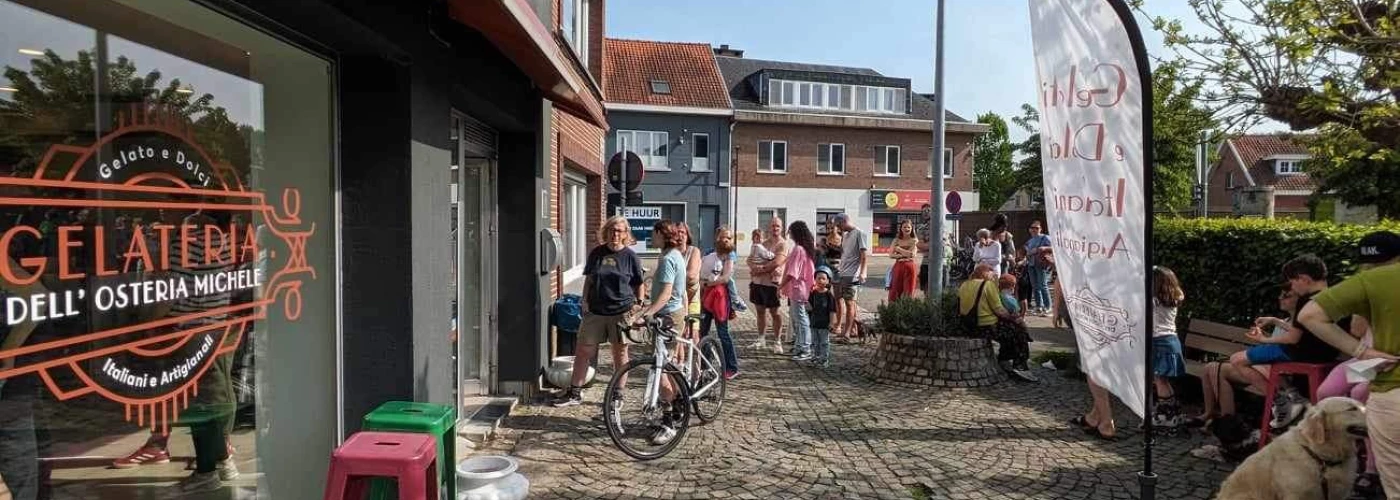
[
  {"x": 639, "y": 423},
  {"x": 707, "y": 395}
]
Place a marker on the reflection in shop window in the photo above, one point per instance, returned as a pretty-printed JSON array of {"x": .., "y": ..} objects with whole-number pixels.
[{"x": 145, "y": 254}]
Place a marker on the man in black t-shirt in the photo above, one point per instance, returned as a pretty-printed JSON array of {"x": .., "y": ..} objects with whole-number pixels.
[{"x": 612, "y": 283}]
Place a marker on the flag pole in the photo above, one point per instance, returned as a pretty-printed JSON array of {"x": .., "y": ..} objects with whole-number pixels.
[
  {"x": 1147, "y": 479},
  {"x": 935, "y": 243}
]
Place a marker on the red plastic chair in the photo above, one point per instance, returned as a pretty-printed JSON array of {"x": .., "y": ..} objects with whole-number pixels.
[
  {"x": 1316, "y": 373},
  {"x": 409, "y": 458}
]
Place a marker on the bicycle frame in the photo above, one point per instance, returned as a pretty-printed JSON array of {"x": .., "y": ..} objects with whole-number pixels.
[{"x": 694, "y": 363}]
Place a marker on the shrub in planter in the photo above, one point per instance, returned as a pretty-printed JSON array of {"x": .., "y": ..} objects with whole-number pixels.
[
  {"x": 1230, "y": 268},
  {"x": 915, "y": 317}
]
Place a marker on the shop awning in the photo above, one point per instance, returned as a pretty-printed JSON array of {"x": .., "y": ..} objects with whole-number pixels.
[{"x": 515, "y": 29}]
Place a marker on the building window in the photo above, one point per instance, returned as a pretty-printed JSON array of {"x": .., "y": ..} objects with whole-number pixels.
[
  {"x": 650, "y": 146},
  {"x": 831, "y": 159},
  {"x": 887, "y": 161},
  {"x": 948, "y": 167},
  {"x": 1289, "y": 167},
  {"x": 700, "y": 152},
  {"x": 765, "y": 215},
  {"x": 660, "y": 87},
  {"x": 824, "y": 216},
  {"x": 772, "y": 156},
  {"x": 1229, "y": 180},
  {"x": 574, "y": 225},
  {"x": 573, "y": 26},
  {"x": 814, "y": 95}
]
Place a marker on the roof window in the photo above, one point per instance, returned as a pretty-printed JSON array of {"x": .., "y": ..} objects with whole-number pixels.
[{"x": 660, "y": 87}]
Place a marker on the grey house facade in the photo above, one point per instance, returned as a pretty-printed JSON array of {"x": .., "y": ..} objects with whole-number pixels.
[
  {"x": 667, "y": 103},
  {"x": 692, "y": 185}
]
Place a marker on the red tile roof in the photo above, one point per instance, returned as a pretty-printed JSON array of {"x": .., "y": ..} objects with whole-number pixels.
[
  {"x": 1253, "y": 149},
  {"x": 629, "y": 66}
]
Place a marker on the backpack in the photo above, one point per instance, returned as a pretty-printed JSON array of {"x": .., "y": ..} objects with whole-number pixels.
[
  {"x": 567, "y": 313},
  {"x": 969, "y": 319}
]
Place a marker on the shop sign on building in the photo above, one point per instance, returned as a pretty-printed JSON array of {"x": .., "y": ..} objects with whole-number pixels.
[{"x": 899, "y": 199}]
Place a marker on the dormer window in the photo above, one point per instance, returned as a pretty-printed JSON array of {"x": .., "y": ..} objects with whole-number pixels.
[
  {"x": 814, "y": 95},
  {"x": 660, "y": 87},
  {"x": 1288, "y": 167}
]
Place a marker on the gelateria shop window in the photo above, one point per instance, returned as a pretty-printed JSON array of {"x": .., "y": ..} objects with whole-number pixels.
[{"x": 166, "y": 255}]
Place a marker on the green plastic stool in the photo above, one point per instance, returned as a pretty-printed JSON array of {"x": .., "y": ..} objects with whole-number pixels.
[{"x": 418, "y": 418}]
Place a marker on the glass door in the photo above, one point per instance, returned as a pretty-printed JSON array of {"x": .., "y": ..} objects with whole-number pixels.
[{"x": 473, "y": 241}]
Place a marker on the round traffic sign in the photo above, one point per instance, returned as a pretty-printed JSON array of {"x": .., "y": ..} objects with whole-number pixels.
[
  {"x": 953, "y": 202},
  {"x": 635, "y": 172}
]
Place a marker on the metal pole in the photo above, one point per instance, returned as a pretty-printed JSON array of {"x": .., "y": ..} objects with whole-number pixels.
[
  {"x": 1203, "y": 172},
  {"x": 935, "y": 250}
]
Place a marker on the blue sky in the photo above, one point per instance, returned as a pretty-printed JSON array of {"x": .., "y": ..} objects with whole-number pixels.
[{"x": 988, "y": 51}]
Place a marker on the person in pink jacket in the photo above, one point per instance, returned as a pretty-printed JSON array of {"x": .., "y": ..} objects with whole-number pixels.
[{"x": 796, "y": 284}]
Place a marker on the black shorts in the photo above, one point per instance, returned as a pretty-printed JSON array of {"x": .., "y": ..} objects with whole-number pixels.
[{"x": 764, "y": 296}]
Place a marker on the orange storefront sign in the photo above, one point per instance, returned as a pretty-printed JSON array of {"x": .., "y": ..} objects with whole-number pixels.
[
  {"x": 899, "y": 199},
  {"x": 209, "y": 269}
]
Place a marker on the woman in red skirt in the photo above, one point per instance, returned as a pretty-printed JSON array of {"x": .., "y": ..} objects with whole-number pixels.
[{"x": 905, "y": 274}]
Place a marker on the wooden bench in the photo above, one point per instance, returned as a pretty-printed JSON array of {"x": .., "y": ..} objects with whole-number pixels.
[{"x": 1215, "y": 338}]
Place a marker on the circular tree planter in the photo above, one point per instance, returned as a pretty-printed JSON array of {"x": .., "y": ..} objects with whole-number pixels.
[{"x": 934, "y": 361}]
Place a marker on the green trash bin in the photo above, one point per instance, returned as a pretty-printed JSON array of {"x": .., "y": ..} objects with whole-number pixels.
[{"x": 418, "y": 418}]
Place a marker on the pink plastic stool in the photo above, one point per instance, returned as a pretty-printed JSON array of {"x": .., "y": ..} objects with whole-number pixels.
[{"x": 409, "y": 458}]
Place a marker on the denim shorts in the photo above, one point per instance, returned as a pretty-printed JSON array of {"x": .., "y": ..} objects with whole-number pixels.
[{"x": 1264, "y": 354}]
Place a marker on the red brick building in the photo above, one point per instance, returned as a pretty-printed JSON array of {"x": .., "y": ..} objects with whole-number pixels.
[
  {"x": 1254, "y": 169},
  {"x": 576, "y": 169},
  {"x": 812, "y": 141}
]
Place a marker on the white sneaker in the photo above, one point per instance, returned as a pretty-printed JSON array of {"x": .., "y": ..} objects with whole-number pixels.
[
  {"x": 227, "y": 469},
  {"x": 778, "y": 348},
  {"x": 199, "y": 482},
  {"x": 759, "y": 345},
  {"x": 663, "y": 436}
]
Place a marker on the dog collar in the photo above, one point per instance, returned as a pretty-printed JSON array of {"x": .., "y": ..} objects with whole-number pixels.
[{"x": 1325, "y": 464}]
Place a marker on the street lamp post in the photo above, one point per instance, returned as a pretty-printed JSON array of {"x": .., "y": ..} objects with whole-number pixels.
[{"x": 935, "y": 245}]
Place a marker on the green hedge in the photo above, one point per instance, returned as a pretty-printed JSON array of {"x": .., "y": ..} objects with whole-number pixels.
[
  {"x": 914, "y": 316},
  {"x": 1230, "y": 268}
]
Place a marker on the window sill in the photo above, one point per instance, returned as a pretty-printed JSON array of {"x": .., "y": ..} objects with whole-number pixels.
[
  {"x": 887, "y": 176},
  {"x": 831, "y": 174},
  {"x": 773, "y": 172},
  {"x": 701, "y": 171},
  {"x": 655, "y": 169}
]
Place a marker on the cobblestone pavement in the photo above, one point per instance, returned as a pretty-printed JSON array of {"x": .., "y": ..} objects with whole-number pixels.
[{"x": 790, "y": 431}]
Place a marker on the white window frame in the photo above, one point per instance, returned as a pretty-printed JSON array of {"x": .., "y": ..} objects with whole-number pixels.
[
  {"x": 574, "y": 223},
  {"x": 882, "y": 166},
  {"x": 575, "y": 29},
  {"x": 949, "y": 168},
  {"x": 769, "y": 169},
  {"x": 627, "y": 141},
  {"x": 883, "y": 100},
  {"x": 763, "y": 224},
  {"x": 1294, "y": 167},
  {"x": 1229, "y": 180},
  {"x": 699, "y": 163},
  {"x": 831, "y": 156}
]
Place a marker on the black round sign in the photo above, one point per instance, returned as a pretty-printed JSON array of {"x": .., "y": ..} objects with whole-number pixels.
[{"x": 634, "y": 171}]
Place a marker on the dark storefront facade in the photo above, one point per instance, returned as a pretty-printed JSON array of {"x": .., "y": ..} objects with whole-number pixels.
[{"x": 243, "y": 225}]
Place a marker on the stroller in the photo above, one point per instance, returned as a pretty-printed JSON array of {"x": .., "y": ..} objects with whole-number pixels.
[{"x": 962, "y": 264}]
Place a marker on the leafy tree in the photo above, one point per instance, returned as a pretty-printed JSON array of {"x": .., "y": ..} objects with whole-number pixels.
[
  {"x": 1177, "y": 121},
  {"x": 1332, "y": 66},
  {"x": 1029, "y": 175},
  {"x": 993, "y": 173}
]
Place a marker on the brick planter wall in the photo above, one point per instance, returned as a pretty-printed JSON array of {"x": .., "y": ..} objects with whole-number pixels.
[{"x": 934, "y": 361}]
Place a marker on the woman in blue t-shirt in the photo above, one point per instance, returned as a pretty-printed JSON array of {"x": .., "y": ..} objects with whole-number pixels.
[
  {"x": 667, "y": 299},
  {"x": 1038, "y": 261}
]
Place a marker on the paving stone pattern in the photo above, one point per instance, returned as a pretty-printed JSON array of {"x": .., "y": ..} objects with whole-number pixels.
[{"x": 793, "y": 431}]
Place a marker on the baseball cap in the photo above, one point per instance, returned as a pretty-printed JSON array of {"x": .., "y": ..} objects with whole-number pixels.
[
  {"x": 839, "y": 218},
  {"x": 824, "y": 270},
  {"x": 1378, "y": 247}
]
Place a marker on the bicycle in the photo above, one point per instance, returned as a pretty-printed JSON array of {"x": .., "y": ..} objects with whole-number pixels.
[{"x": 698, "y": 385}]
